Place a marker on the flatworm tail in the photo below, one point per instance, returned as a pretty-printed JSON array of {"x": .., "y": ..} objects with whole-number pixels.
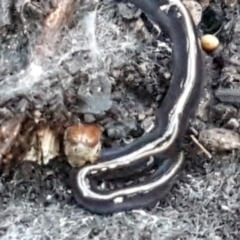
[{"x": 146, "y": 199}]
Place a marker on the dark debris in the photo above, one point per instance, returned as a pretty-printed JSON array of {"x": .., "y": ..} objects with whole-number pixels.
[{"x": 37, "y": 202}]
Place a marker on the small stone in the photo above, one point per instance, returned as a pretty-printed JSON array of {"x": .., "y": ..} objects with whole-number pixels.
[
  {"x": 89, "y": 118},
  {"x": 141, "y": 116},
  {"x": 116, "y": 132},
  {"x": 37, "y": 115},
  {"x": 147, "y": 123},
  {"x": 219, "y": 139},
  {"x": 209, "y": 42},
  {"x": 139, "y": 25},
  {"x": 233, "y": 123},
  {"x": 228, "y": 95},
  {"x": 222, "y": 112},
  {"x": 129, "y": 11}
]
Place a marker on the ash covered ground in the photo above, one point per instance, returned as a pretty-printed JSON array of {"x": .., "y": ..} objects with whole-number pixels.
[{"x": 105, "y": 45}]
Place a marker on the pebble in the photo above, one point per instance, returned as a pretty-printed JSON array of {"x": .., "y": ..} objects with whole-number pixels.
[
  {"x": 116, "y": 132},
  {"x": 129, "y": 11},
  {"x": 89, "y": 118},
  {"x": 219, "y": 139},
  {"x": 209, "y": 42},
  {"x": 228, "y": 95},
  {"x": 223, "y": 112},
  {"x": 141, "y": 116},
  {"x": 147, "y": 123},
  {"x": 233, "y": 123}
]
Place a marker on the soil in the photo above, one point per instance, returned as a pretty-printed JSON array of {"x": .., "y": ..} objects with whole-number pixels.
[{"x": 133, "y": 68}]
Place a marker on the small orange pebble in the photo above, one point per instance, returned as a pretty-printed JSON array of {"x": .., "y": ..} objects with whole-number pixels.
[
  {"x": 209, "y": 42},
  {"x": 82, "y": 143}
]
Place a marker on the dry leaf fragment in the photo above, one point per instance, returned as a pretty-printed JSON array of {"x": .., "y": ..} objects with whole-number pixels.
[{"x": 8, "y": 133}]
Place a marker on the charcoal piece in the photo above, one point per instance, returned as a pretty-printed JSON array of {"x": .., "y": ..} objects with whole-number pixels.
[
  {"x": 228, "y": 95},
  {"x": 5, "y": 12},
  {"x": 129, "y": 11},
  {"x": 95, "y": 95},
  {"x": 213, "y": 19},
  {"x": 223, "y": 112},
  {"x": 116, "y": 132},
  {"x": 89, "y": 118}
]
